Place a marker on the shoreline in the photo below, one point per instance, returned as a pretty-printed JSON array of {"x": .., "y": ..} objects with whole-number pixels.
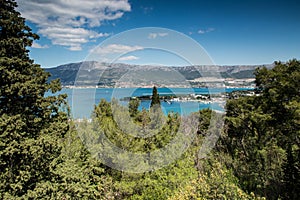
[{"x": 108, "y": 87}]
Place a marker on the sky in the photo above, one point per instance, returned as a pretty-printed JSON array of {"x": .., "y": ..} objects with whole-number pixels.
[{"x": 228, "y": 32}]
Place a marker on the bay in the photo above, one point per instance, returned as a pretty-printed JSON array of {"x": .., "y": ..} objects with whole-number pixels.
[{"x": 83, "y": 100}]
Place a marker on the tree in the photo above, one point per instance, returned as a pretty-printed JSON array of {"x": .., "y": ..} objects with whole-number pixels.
[
  {"x": 155, "y": 98},
  {"x": 262, "y": 133},
  {"x": 133, "y": 107},
  {"x": 79, "y": 176},
  {"x": 291, "y": 176},
  {"x": 144, "y": 118},
  {"x": 31, "y": 125},
  {"x": 279, "y": 89},
  {"x": 256, "y": 158}
]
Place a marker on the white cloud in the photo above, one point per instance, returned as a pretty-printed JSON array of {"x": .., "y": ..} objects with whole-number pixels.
[
  {"x": 116, "y": 48},
  {"x": 38, "y": 46},
  {"x": 155, "y": 35},
  {"x": 126, "y": 58},
  {"x": 71, "y": 37},
  {"x": 203, "y": 31},
  {"x": 70, "y": 23}
]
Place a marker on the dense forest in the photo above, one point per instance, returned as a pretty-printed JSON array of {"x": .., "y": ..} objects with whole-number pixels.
[{"x": 44, "y": 154}]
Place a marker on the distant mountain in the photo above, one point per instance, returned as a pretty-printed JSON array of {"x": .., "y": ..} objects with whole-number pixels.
[{"x": 92, "y": 73}]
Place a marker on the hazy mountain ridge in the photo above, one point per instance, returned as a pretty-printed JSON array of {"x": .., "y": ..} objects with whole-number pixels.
[{"x": 92, "y": 73}]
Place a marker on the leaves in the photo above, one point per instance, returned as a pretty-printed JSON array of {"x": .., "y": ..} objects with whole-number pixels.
[
  {"x": 261, "y": 129},
  {"x": 31, "y": 124}
]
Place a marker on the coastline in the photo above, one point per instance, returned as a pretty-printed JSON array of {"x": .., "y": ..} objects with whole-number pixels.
[{"x": 110, "y": 87}]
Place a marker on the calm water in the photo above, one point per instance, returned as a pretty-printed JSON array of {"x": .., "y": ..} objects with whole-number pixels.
[{"x": 82, "y": 100}]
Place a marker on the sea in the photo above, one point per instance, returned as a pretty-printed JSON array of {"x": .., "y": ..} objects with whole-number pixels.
[{"x": 83, "y": 100}]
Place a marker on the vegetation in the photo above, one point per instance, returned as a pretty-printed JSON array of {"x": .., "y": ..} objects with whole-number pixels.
[
  {"x": 155, "y": 98},
  {"x": 31, "y": 125},
  {"x": 35, "y": 134},
  {"x": 133, "y": 107},
  {"x": 46, "y": 155},
  {"x": 262, "y": 133}
]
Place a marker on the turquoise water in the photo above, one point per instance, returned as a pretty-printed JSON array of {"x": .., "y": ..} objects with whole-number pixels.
[{"x": 82, "y": 100}]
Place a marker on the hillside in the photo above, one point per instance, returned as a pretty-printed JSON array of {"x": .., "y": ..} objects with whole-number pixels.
[{"x": 91, "y": 73}]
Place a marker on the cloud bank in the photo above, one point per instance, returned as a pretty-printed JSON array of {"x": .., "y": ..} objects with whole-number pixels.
[
  {"x": 115, "y": 49},
  {"x": 71, "y": 23},
  {"x": 112, "y": 52}
]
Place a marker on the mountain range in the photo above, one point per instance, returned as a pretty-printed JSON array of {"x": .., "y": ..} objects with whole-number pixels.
[{"x": 92, "y": 73}]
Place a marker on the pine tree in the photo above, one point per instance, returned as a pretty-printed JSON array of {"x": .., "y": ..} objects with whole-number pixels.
[
  {"x": 155, "y": 98},
  {"x": 262, "y": 133},
  {"x": 291, "y": 176},
  {"x": 30, "y": 123}
]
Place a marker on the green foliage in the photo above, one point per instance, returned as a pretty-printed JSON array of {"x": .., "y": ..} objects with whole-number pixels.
[
  {"x": 159, "y": 184},
  {"x": 149, "y": 131},
  {"x": 261, "y": 130},
  {"x": 209, "y": 179},
  {"x": 214, "y": 181},
  {"x": 74, "y": 175},
  {"x": 291, "y": 175},
  {"x": 144, "y": 118},
  {"x": 133, "y": 107},
  {"x": 280, "y": 93},
  {"x": 77, "y": 175},
  {"x": 15, "y": 35},
  {"x": 111, "y": 119},
  {"x": 155, "y": 98},
  {"x": 43, "y": 156},
  {"x": 31, "y": 125},
  {"x": 204, "y": 121}
]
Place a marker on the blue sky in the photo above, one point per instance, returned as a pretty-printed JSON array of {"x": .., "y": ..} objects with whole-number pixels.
[{"x": 232, "y": 32}]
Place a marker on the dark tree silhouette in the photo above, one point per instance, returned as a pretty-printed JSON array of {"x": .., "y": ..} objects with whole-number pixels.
[{"x": 155, "y": 98}]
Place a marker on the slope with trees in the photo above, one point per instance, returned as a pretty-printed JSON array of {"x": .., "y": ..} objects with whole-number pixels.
[
  {"x": 45, "y": 155},
  {"x": 262, "y": 133},
  {"x": 36, "y": 160}
]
